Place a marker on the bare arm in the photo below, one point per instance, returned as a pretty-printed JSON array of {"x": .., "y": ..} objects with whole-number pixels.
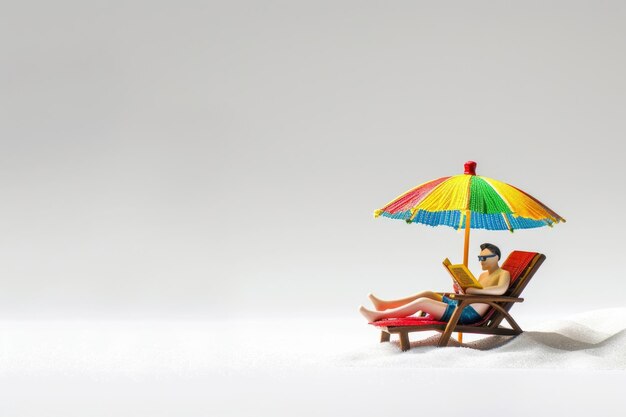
[{"x": 498, "y": 289}]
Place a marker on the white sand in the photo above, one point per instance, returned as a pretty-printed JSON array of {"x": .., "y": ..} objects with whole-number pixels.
[{"x": 277, "y": 366}]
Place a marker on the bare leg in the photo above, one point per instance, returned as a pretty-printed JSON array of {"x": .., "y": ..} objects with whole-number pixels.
[
  {"x": 381, "y": 305},
  {"x": 435, "y": 308}
]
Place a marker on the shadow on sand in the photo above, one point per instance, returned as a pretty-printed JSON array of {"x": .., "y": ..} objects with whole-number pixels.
[{"x": 529, "y": 339}]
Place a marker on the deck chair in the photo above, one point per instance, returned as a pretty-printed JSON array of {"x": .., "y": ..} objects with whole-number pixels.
[{"x": 521, "y": 265}]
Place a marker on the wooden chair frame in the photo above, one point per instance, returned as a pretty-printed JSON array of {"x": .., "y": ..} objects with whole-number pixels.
[{"x": 490, "y": 324}]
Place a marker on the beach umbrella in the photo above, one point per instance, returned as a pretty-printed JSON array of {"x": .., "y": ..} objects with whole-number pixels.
[{"x": 469, "y": 201}]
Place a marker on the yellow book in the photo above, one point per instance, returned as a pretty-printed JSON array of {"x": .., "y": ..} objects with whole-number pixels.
[{"x": 461, "y": 275}]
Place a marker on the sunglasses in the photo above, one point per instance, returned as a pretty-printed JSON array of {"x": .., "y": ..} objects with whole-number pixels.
[{"x": 484, "y": 257}]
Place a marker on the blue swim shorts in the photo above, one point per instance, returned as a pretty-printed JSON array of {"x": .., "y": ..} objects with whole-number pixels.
[{"x": 468, "y": 315}]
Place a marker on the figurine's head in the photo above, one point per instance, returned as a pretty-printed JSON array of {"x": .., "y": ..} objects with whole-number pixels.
[{"x": 489, "y": 256}]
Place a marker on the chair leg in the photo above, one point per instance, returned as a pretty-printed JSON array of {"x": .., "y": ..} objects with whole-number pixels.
[
  {"x": 445, "y": 336},
  {"x": 504, "y": 315},
  {"x": 384, "y": 336},
  {"x": 404, "y": 341},
  {"x": 513, "y": 324}
]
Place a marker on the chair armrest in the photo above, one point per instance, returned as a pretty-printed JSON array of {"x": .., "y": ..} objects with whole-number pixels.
[
  {"x": 447, "y": 294},
  {"x": 477, "y": 298}
]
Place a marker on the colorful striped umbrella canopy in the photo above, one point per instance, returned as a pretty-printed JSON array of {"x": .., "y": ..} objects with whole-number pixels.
[{"x": 468, "y": 201}]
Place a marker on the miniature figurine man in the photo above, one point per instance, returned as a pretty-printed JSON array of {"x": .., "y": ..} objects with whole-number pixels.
[{"x": 495, "y": 281}]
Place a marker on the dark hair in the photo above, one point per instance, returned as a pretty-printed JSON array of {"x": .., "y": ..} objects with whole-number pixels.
[{"x": 493, "y": 248}]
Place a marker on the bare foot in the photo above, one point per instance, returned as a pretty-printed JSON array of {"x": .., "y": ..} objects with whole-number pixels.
[
  {"x": 369, "y": 314},
  {"x": 379, "y": 304}
]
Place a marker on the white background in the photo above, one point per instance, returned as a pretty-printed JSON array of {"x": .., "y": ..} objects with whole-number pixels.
[{"x": 225, "y": 158}]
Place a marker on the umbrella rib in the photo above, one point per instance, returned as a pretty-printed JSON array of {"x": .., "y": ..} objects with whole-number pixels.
[{"x": 508, "y": 224}]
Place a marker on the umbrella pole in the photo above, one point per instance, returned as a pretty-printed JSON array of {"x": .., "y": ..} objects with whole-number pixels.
[
  {"x": 467, "y": 235},
  {"x": 466, "y": 250}
]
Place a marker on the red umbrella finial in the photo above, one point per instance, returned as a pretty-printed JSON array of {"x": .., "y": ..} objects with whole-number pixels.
[{"x": 470, "y": 168}]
